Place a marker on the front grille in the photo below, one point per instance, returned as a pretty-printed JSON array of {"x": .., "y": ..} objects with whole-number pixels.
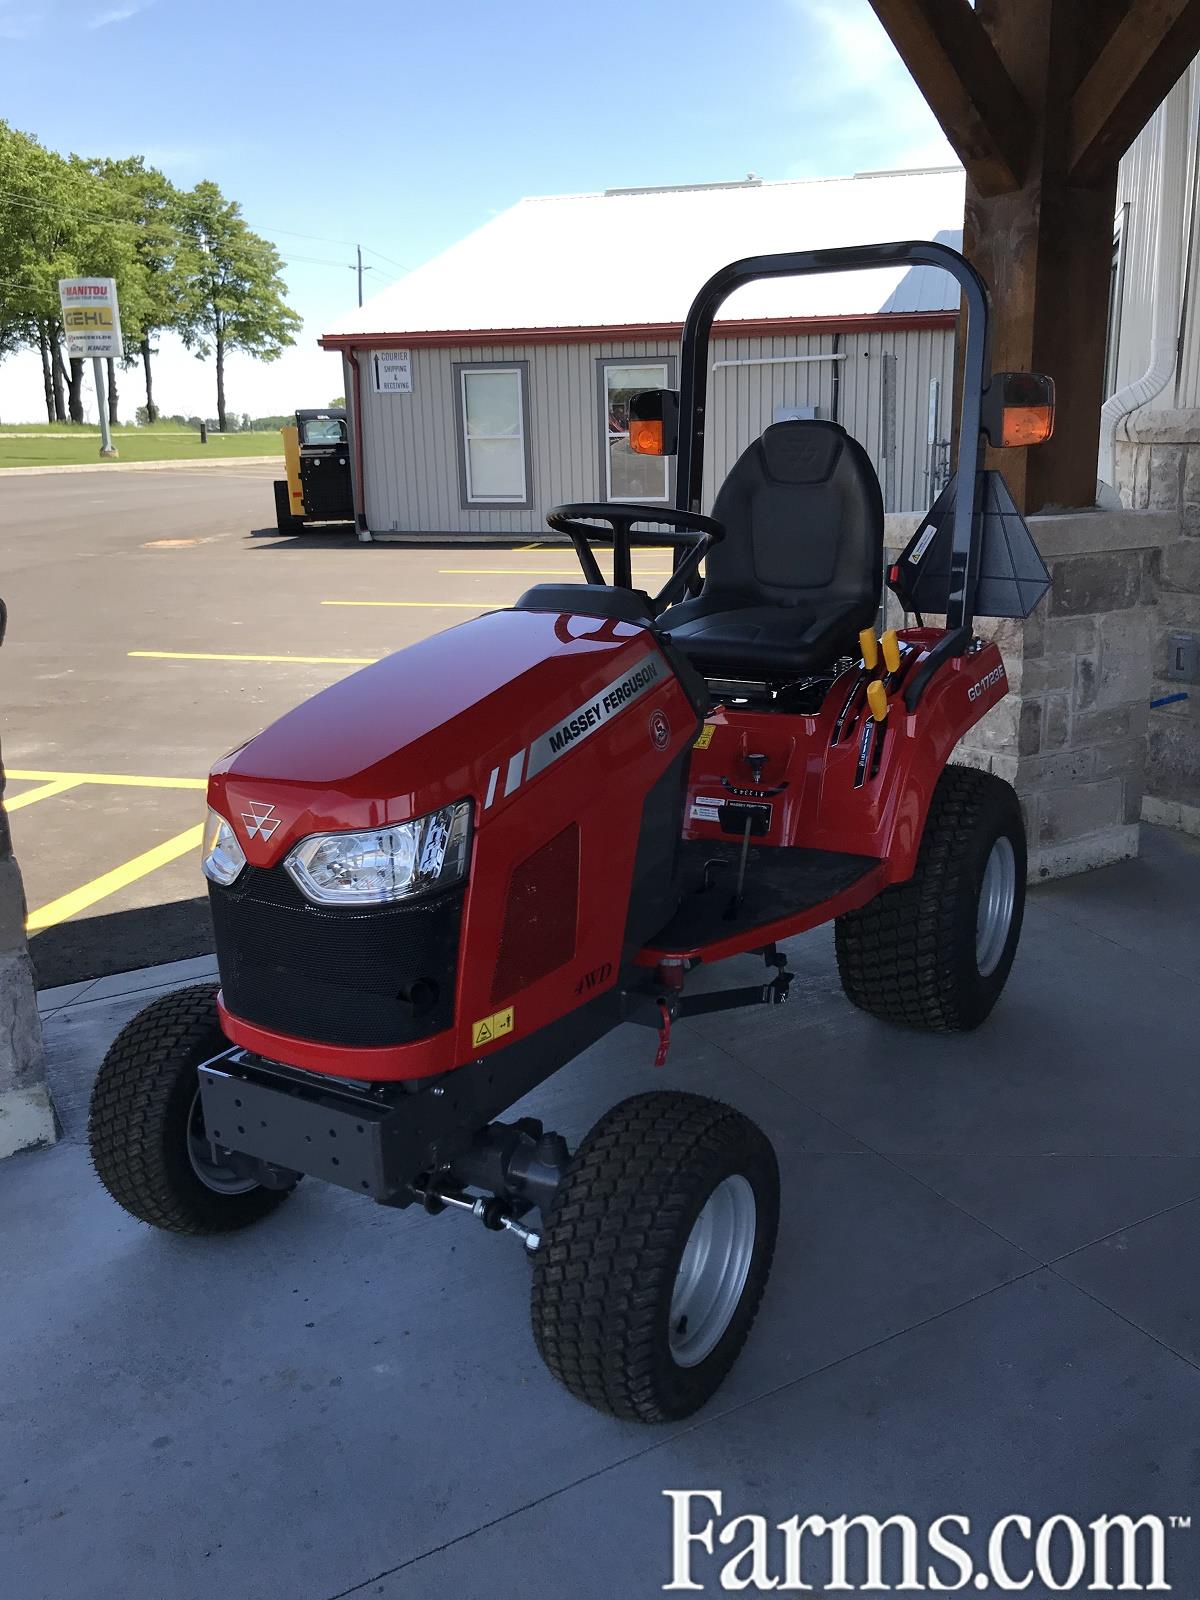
[{"x": 382, "y": 976}]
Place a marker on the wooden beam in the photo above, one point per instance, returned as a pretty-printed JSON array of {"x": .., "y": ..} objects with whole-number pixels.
[
  {"x": 1148, "y": 51},
  {"x": 955, "y": 65}
]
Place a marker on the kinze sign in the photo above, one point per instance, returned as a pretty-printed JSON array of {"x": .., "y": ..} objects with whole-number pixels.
[{"x": 90, "y": 317}]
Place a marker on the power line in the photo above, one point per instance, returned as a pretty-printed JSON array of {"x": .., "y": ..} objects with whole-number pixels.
[
  {"x": 180, "y": 205},
  {"x": 404, "y": 267}
]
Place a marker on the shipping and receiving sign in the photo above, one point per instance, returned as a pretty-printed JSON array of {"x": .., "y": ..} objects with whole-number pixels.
[
  {"x": 393, "y": 371},
  {"x": 90, "y": 316}
]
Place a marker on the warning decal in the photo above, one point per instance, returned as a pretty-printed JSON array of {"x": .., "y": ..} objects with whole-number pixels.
[
  {"x": 705, "y": 736},
  {"x": 923, "y": 543},
  {"x": 488, "y": 1029}
]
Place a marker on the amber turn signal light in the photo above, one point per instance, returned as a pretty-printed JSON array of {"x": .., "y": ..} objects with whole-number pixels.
[
  {"x": 646, "y": 438},
  {"x": 1018, "y": 408},
  {"x": 1027, "y": 424}
]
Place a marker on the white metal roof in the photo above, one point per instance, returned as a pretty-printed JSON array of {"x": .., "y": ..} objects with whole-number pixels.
[{"x": 631, "y": 257}]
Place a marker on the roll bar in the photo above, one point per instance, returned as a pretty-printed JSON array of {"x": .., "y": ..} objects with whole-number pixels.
[{"x": 693, "y": 386}]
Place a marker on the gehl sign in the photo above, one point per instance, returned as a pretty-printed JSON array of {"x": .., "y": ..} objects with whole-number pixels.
[{"x": 90, "y": 317}]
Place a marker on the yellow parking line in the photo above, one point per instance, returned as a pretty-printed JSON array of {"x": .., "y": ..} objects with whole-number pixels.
[
  {"x": 44, "y": 792},
  {"x": 307, "y": 661},
  {"x": 56, "y": 911},
  {"x": 425, "y": 605},
  {"x": 538, "y": 572},
  {"x": 120, "y": 778}
]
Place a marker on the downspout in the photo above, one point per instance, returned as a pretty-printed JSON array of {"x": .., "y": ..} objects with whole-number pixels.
[
  {"x": 360, "y": 497},
  {"x": 1168, "y": 262}
]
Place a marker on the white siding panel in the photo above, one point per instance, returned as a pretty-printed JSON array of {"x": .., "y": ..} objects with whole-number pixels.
[{"x": 411, "y": 450}]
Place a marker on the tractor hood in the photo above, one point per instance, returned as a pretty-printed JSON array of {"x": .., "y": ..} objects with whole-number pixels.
[{"x": 474, "y": 712}]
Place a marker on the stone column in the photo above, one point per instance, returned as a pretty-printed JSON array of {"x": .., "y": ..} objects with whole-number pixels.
[
  {"x": 1071, "y": 734},
  {"x": 26, "y": 1113}
]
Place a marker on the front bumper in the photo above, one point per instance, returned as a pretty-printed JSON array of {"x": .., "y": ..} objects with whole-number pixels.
[
  {"x": 383, "y": 1139},
  {"x": 375, "y": 1139}
]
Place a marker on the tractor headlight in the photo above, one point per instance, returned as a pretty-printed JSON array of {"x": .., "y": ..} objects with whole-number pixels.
[
  {"x": 222, "y": 857},
  {"x": 372, "y": 868}
]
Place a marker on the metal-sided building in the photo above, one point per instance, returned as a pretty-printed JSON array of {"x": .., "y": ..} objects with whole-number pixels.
[{"x": 491, "y": 384}]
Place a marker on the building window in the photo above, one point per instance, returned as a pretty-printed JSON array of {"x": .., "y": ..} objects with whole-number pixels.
[
  {"x": 494, "y": 435},
  {"x": 627, "y": 476}
]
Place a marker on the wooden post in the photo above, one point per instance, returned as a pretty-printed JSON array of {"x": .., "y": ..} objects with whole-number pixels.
[
  {"x": 1041, "y": 98},
  {"x": 1045, "y": 249}
]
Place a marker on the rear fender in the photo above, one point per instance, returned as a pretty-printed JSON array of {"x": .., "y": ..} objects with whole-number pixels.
[{"x": 959, "y": 695}]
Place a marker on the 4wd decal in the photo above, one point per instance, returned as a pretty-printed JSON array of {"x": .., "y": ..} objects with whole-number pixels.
[{"x": 593, "y": 979}]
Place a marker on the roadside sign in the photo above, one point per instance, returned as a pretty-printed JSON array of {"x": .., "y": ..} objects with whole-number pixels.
[
  {"x": 393, "y": 371},
  {"x": 90, "y": 316}
]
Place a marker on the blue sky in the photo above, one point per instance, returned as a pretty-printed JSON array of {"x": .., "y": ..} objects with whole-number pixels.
[{"x": 405, "y": 126}]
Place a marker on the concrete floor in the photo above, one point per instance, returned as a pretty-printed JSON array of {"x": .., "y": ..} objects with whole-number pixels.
[{"x": 985, "y": 1301}]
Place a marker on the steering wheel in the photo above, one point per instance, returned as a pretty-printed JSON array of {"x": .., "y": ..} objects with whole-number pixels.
[{"x": 685, "y": 531}]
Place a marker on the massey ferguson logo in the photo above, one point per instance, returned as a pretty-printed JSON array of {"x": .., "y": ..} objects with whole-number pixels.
[
  {"x": 261, "y": 821},
  {"x": 986, "y": 682}
]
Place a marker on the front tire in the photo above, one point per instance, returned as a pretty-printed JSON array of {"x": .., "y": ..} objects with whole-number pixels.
[
  {"x": 146, "y": 1126},
  {"x": 935, "y": 952},
  {"x": 655, "y": 1254},
  {"x": 285, "y": 519}
]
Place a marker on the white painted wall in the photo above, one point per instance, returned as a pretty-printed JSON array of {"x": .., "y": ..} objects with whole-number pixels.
[{"x": 411, "y": 447}]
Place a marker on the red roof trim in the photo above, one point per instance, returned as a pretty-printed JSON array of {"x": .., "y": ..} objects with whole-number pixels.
[{"x": 875, "y": 321}]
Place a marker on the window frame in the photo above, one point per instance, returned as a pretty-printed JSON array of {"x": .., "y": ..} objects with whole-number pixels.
[
  {"x": 604, "y": 365},
  {"x": 467, "y": 502}
]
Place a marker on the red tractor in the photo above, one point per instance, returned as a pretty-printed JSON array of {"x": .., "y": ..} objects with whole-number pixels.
[{"x": 437, "y": 882}]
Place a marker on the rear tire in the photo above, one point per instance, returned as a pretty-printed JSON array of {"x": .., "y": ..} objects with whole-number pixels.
[
  {"x": 654, "y": 1256},
  {"x": 146, "y": 1129},
  {"x": 285, "y": 520},
  {"x": 934, "y": 953}
]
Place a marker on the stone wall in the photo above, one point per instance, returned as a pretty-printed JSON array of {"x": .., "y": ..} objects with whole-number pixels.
[
  {"x": 1070, "y": 734},
  {"x": 1157, "y": 467}
]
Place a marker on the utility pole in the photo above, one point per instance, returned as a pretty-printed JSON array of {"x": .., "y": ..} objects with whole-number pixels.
[{"x": 360, "y": 269}]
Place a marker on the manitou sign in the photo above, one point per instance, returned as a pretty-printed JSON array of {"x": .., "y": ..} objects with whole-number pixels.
[{"x": 90, "y": 317}]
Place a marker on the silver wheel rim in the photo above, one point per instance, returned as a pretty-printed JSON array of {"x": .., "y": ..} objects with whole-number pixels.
[
  {"x": 712, "y": 1273},
  {"x": 212, "y": 1174},
  {"x": 997, "y": 897}
]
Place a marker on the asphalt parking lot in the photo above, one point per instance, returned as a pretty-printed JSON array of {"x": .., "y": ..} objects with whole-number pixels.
[{"x": 155, "y": 621}]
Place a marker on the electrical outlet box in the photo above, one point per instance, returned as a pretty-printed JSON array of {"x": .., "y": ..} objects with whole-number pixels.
[{"x": 1183, "y": 657}]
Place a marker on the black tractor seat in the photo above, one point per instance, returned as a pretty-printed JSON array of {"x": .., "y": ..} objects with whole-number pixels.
[{"x": 800, "y": 570}]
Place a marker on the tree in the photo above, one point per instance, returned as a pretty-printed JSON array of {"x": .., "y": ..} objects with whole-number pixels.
[
  {"x": 42, "y": 212},
  {"x": 148, "y": 199},
  {"x": 234, "y": 298},
  {"x": 56, "y": 221}
]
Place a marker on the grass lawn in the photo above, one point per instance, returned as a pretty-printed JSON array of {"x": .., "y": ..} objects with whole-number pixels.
[{"x": 31, "y": 444}]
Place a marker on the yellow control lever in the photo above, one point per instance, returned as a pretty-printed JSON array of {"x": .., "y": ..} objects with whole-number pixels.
[
  {"x": 891, "y": 650},
  {"x": 877, "y": 699},
  {"x": 869, "y": 645}
]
